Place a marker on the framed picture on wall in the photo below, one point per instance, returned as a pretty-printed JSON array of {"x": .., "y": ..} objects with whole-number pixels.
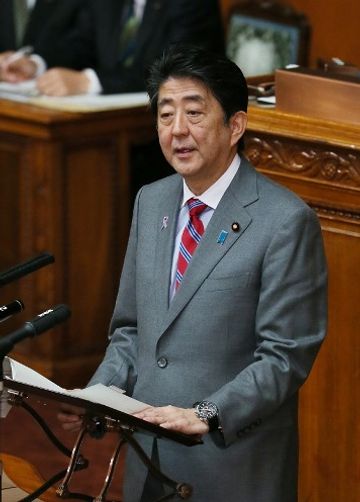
[{"x": 263, "y": 36}]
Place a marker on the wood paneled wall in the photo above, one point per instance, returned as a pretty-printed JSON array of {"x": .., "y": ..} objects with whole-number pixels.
[
  {"x": 320, "y": 161},
  {"x": 335, "y": 27},
  {"x": 65, "y": 185}
]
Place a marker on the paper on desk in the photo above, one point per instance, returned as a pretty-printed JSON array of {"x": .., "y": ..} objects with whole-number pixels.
[
  {"x": 89, "y": 103},
  {"x": 108, "y": 396},
  {"x": 266, "y": 100},
  {"x": 24, "y": 89},
  {"x": 27, "y": 92}
]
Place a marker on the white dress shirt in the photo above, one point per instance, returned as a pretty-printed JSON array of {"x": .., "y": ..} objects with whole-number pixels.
[
  {"x": 211, "y": 197},
  {"x": 31, "y": 4}
]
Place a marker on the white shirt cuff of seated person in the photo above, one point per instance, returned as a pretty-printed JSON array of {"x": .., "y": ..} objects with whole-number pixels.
[
  {"x": 41, "y": 66},
  {"x": 94, "y": 82}
]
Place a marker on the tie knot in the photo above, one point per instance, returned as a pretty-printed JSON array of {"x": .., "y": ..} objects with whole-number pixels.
[{"x": 196, "y": 207}]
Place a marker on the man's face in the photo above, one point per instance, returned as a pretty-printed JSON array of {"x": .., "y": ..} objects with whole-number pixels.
[{"x": 192, "y": 132}]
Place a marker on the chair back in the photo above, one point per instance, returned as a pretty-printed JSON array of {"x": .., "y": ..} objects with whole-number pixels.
[{"x": 263, "y": 35}]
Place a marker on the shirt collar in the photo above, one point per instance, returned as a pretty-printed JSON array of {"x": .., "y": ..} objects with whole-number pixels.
[
  {"x": 139, "y": 7},
  {"x": 212, "y": 196}
]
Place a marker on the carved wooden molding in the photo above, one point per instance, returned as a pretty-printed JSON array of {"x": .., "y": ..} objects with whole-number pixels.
[
  {"x": 331, "y": 212},
  {"x": 311, "y": 162}
]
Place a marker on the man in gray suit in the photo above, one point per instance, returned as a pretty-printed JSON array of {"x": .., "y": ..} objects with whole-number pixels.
[{"x": 219, "y": 336}]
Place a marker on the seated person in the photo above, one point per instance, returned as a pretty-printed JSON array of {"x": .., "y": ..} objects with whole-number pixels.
[
  {"x": 116, "y": 40},
  {"x": 48, "y": 27}
]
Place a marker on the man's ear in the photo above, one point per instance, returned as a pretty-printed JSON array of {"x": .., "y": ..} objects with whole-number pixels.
[{"x": 238, "y": 123}]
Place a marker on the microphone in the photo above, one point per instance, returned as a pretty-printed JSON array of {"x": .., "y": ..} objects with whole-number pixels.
[
  {"x": 36, "y": 326},
  {"x": 11, "y": 309},
  {"x": 25, "y": 268}
]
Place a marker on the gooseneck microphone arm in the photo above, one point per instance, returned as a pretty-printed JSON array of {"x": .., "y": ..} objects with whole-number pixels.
[
  {"x": 25, "y": 268},
  {"x": 36, "y": 326}
]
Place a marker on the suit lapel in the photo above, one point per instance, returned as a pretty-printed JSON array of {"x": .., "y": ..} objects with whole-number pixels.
[
  {"x": 165, "y": 238},
  {"x": 241, "y": 192}
]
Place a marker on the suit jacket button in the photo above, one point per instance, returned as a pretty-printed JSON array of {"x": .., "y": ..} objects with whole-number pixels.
[{"x": 162, "y": 362}]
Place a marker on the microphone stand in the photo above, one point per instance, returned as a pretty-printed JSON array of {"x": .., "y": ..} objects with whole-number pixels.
[
  {"x": 6, "y": 346},
  {"x": 95, "y": 427},
  {"x": 17, "y": 399},
  {"x": 80, "y": 463}
]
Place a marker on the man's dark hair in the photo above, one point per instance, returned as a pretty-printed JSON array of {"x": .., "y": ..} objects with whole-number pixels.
[{"x": 219, "y": 74}]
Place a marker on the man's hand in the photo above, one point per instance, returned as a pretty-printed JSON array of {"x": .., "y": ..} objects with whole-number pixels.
[
  {"x": 62, "y": 82},
  {"x": 16, "y": 70},
  {"x": 177, "y": 419},
  {"x": 71, "y": 417},
  {"x": 4, "y": 55}
]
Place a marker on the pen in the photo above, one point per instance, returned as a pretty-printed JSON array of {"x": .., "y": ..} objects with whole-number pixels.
[{"x": 23, "y": 51}]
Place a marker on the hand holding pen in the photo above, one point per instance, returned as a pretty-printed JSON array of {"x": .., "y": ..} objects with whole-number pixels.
[{"x": 17, "y": 66}]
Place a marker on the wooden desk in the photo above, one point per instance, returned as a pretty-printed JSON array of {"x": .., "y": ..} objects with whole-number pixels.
[
  {"x": 320, "y": 161},
  {"x": 65, "y": 189}
]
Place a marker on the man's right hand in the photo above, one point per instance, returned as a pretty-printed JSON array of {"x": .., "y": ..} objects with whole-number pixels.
[
  {"x": 16, "y": 70},
  {"x": 3, "y": 58}
]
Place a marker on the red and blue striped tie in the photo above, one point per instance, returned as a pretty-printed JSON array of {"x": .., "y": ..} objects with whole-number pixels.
[{"x": 190, "y": 238}]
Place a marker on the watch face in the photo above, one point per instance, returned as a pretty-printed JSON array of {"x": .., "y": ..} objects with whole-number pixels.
[
  {"x": 207, "y": 409},
  {"x": 208, "y": 412}
]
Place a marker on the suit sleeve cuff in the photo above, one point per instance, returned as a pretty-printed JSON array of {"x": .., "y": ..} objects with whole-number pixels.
[{"x": 41, "y": 65}]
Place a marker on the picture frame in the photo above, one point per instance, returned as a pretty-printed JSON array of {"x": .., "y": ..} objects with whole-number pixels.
[{"x": 263, "y": 36}]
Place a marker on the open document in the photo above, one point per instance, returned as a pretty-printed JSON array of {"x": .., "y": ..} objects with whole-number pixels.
[
  {"x": 90, "y": 103},
  {"x": 27, "y": 92},
  {"x": 17, "y": 377},
  {"x": 19, "y": 90},
  {"x": 113, "y": 397}
]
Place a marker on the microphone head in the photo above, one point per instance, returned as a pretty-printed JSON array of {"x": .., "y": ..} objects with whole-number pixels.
[
  {"x": 49, "y": 319},
  {"x": 11, "y": 309}
]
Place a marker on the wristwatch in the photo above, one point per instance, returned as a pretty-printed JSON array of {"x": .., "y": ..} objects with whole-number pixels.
[{"x": 208, "y": 413}]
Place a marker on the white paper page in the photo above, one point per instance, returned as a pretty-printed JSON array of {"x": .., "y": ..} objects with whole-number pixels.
[
  {"x": 26, "y": 88},
  {"x": 267, "y": 100},
  {"x": 24, "y": 374},
  {"x": 99, "y": 393},
  {"x": 110, "y": 397},
  {"x": 90, "y": 103}
]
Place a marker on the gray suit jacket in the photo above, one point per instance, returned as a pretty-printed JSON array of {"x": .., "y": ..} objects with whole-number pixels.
[{"x": 242, "y": 331}]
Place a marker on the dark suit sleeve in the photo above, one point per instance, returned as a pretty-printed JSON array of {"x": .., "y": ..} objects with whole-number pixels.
[
  {"x": 290, "y": 326},
  {"x": 62, "y": 33},
  {"x": 185, "y": 21}
]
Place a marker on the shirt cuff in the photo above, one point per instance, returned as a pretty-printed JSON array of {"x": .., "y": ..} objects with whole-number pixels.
[
  {"x": 41, "y": 66},
  {"x": 94, "y": 82}
]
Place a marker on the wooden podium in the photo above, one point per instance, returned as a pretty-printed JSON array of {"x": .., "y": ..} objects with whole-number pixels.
[{"x": 65, "y": 188}]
